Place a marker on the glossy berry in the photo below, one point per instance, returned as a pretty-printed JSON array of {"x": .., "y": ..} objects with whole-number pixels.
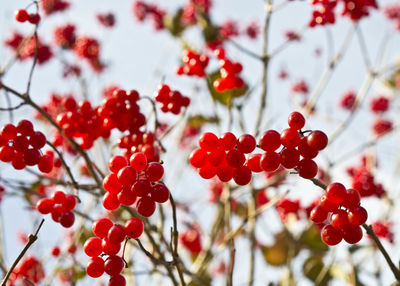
[
  {"x": 254, "y": 163},
  {"x": 138, "y": 161},
  {"x": 296, "y": 120},
  {"x": 95, "y": 267},
  {"x": 318, "y": 214},
  {"x": 67, "y": 219},
  {"x": 336, "y": 192},
  {"x": 327, "y": 204},
  {"x": 227, "y": 141},
  {"x": 21, "y": 15},
  {"x": 330, "y": 235},
  {"x": 110, "y": 248},
  {"x": 339, "y": 219},
  {"x": 154, "y": 171},
  {"x": 352, "y": 199},
  {"x": 305, "y": 150},
  {"x": 352, "y": 234},
  {"x": 44, "y": 206},
  {"x": 198, "y": 158},
  {"x": 357, "y": 215},
  {"x": 92, "y": 247},
  {"x": 101, "y": 227},
  {"x": 235, "y": 158},
  {"x": 270, "y": 140},
  {"x": 290, "y": 138},
  {"x": 127, "y": 176},
  {"x": 246, "y": 143},
  {"x": 317, "y": 140},
  {"x": 270, "y": 161},
  {"x": 113, "y": 265},
  {"x": 111, "y": 202},
  {"x": 242, "y": 176},
  {"x": 134, "y": 228},
  {"x": 116, "y": 234},
  {"x": 116, "y": 163},
  {"x": 117, "y": 280},
  {"x": 208, "y": 141},
  {"x": 290, "y": 157},
  {"x": 145, "y": 206},
  {"x": 307, "y": 168},
  {"x": 159, "y": 193}
]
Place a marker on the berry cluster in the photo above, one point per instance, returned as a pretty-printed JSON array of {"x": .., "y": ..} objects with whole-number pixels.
[
  {"x": 30, "y": 268},
  {"x": 107, "y": 242},
  {"x": 89, "y": 48},
  {"x": 22, "y": 16},
  {"x": 194, "y": 64},
  {"x": 171, "y": 100},
  {"x": 229, "y": 73},
  {"x": 25, "y": 49},
  {"x": 143, "y": 142},
  {"x": 52, "y": 6},
  {"x": 80, "y": 120},
  {"x": 106, "y": 19},
  {"x": 130, "y": 180},
  {"x": 143, "y": 10},
  {"x": 225, "y": 156},
  {"x": 21, "y": 146},
  {"x": 342, "y": 207},
  {"x": 60, "y": 206},
  {"x": 64, "y": 36}
]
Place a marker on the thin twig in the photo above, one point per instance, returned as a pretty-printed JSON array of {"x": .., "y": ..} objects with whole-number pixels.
[{"x": 31, "y": 239}]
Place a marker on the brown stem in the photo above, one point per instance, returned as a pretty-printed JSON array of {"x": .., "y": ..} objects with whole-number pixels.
[{"x": 31, "y": 239}]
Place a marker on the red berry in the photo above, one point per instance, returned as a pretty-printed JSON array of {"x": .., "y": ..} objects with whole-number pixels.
[
  {"x": 145, "y": 206},
  {"x": 111, "y": 183},
  {"x": 254, "y": 163},
  {"x": 290, "y": 138},
  {"x": 25, "y": 127},
  {"x": 101, "y": 227},
  {"x": 37, "y": 140},
  {"x": 126, "y": 197},
  {"x": 357, "y": 215},
  {"x": 198, "y": 158},
  {"x": 246, "y": 143},
  {"x": 113, "y": 265},
  {"x": 339, "y": 219},
  {"x": 159, "y": 193},
  {"x": 327, "y": 204},
  {"x": 235, "y": 158},
  {"x": 117, "y": 280},
  {"x": 46, "y": 163},
  {"x": 110, "y": 202},
  {"x": 21, "y": 15},
  {"x": 138, "y": 161},
  {"x": 305, "y": 150},
  {"x": 270, "y": 161},
  {"x": 58, "y": 197},
  {"x": 67, "y": 219},
  {"x": 352, "y": 234},
  {"x": 127, "y": 176},
  {"x": 44, "y": 206},
  {"x": 8, "y": 132},
  {"x": 227, "y": 141},
  {"x": 208, "y": 141},
  {"x": 318, "y": 214},
  {"x": 31, "y": 157},
  {"x": 290, "y": 157},
  {"x": 34, "y": 19},
  {"x": 225, "y": 173},
  {"x": 307, "y": 168},
  {"x": 331, "y": 235},
  {"x": 57, "y": 212},
  {"x": 92, "y": 247},
  {"x": 242, "y": 176},
  {"x": 116, "y": 163},
  {"x": 110, "y": 248},
  {"x": 296, "y": 120},
  {"x": 336, "y": 192},
  {"x": 116, "y": 234},
  {"x": 154, "y": 171},
  {"x": 69, "y": 202},
  {"x": 270, "y": 140},
  {"x": 142, "y": 188},
  {"x": 352, "y": 199},
  {"x": 95, "y": 267},
  {"x": 7, "y": 153},
  {"x": 134, "y": 228},
  {"x": 317, "y": 140}
]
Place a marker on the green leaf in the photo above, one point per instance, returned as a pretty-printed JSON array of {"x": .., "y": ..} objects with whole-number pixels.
[
  {"x": 198, "y": 120},
  {"x": 312, "y": 268},
  {"x": 225, "y": 97},
  {"x": 312, "y": 240},
  {"x": 174, "y": 24}
]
